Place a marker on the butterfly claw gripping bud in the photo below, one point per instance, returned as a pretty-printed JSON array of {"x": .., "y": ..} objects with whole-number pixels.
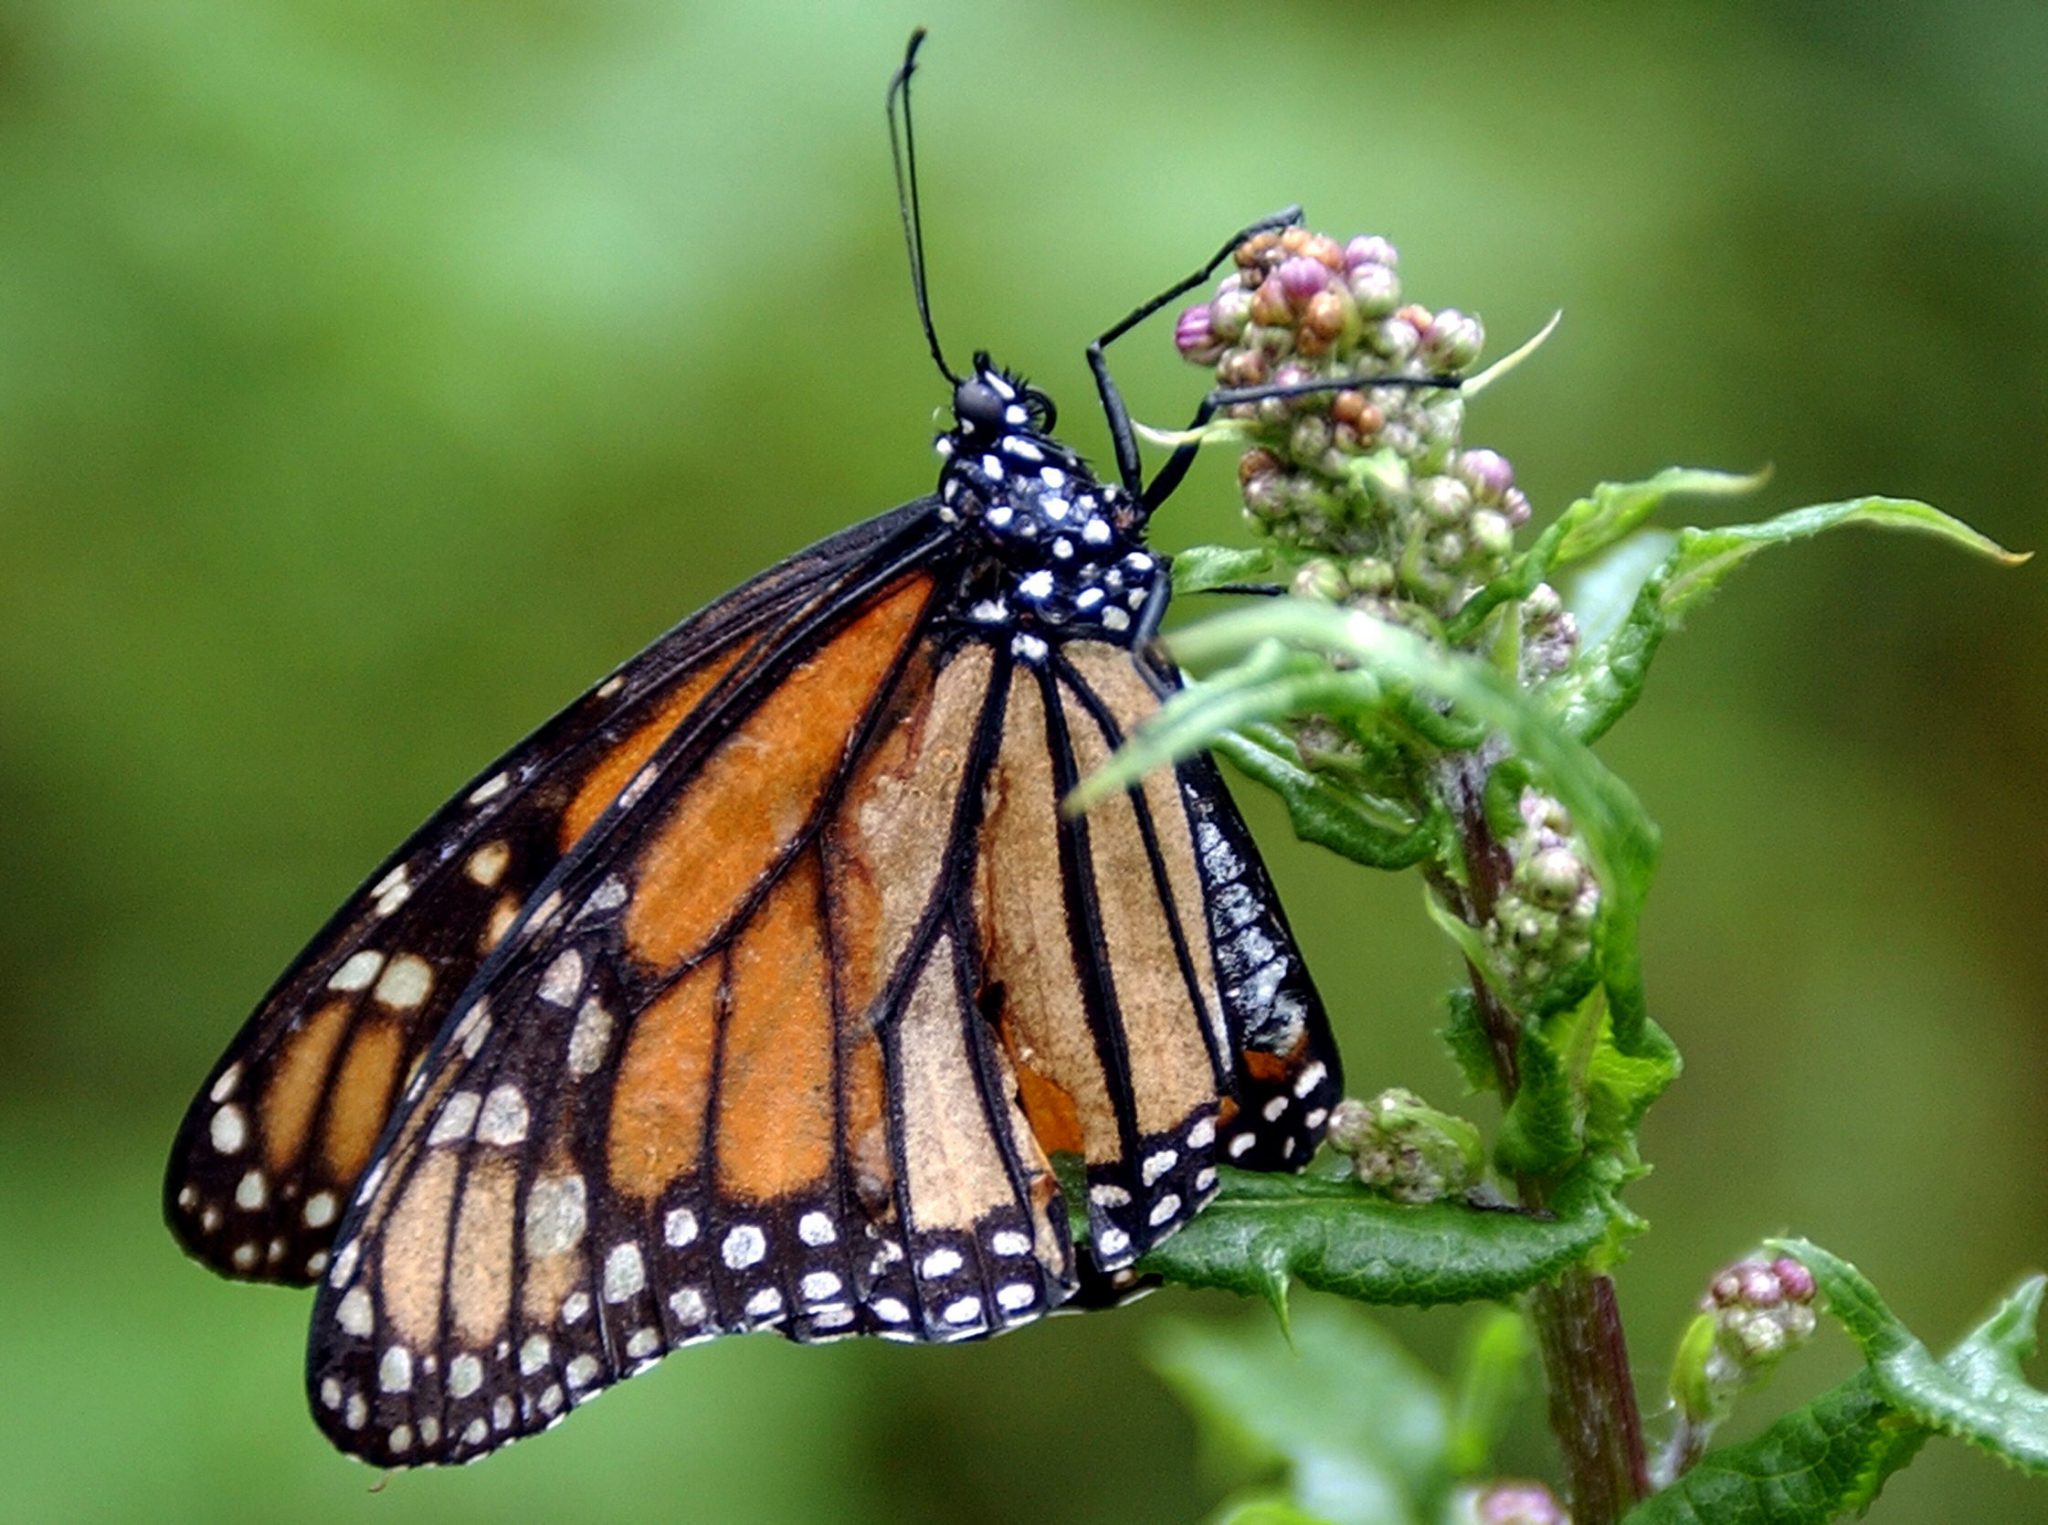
[{"x": 1405, "y": 1148}]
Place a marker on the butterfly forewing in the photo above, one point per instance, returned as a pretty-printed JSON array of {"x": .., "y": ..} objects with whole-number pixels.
[{"x": 272, "y": 1147}]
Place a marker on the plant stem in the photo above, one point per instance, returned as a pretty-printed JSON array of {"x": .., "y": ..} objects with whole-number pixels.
[{"x": 1593, "y": 1411}]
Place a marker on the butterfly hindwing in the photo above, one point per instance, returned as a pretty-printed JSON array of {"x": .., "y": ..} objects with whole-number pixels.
[{"x": 273, "y": 1145}]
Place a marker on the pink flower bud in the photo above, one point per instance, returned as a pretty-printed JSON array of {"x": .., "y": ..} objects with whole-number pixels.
[
  {"x": 1302, "y": 277},
  {"x": 1370, "y": 251}
]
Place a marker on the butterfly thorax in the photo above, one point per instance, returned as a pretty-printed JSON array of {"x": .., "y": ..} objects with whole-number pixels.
[{"x": 1065, "y": 553}]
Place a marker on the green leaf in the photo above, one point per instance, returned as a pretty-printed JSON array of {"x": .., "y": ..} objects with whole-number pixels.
[
  {"x": 1606, "y": 680},
  {"x": 1263, "y": 1232},
  {"x": 1540, "y": 1132},
  {"x": 1324, "y": 811},
  {"x": 1204, "y": 568},
  {"x": 1704, "y": 558},
  {"x": 1592, "y": 523},
  {"x": 1977, "y": 1393},
  {"x": 1493, "y": 1371},
  {"x": 1819, "y": 1462},
  {"x": 1348, "y": 1418},
  {"x": 1465, "y": 1036},
  {"x": 1613, "y": 510},
  {"x": 1620, "y": 1087},
  {"x": 1266, "y": 1509},
  {"x": 1619, "y": 838}
]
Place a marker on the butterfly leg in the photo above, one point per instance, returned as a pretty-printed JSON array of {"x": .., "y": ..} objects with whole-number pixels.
[{"x": 1124, "y": 441}]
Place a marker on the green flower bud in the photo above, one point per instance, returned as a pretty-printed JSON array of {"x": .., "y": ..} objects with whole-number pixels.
[{"x": 1405, "y": 1148}]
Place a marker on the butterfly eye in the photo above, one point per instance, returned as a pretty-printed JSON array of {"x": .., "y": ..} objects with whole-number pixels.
[{"x": 979, "y": 408}]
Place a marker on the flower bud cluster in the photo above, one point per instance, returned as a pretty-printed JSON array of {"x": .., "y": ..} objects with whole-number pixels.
[
  {"x": 1371, "y": 483},
  {"x": 1761, "y": 1309},
  {"x": 1542, "y": 923},
  {"x": 1510, "y": 1503},
  {"x": 1405, "y": 1148},
  {"x": 1550, "y": 634}
]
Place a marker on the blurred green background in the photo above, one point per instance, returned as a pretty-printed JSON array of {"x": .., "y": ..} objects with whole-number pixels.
[{"x": 372, "y": 376}]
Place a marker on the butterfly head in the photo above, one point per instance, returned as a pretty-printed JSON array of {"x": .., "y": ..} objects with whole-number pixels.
[{"x": 989, "y": 404}]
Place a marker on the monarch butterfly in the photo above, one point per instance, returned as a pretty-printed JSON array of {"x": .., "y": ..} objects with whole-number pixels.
[{"x": 765, "y": 986}]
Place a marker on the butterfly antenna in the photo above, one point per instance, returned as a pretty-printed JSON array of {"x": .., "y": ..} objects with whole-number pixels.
[{"x": 903, "y": 151}]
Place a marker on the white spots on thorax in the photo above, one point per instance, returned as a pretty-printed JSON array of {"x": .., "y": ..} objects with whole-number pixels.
[
  {"x": 357, "y": 970},
  {"x": 590, "y": 1038},
  {"x": 1157, "y": 1165},
  {"x": 330, "y": 1393},
  {"x": 229, "y": 1129},
  {"x": 999, "y": 516},
  {"x": 744, "y": 1246},
  {"x": 680, "y": 1227},
  {"x": 1138, "y": 561},
  {"x": 188, "y": 1197},
  {"x": 487, "y": 864},
  {"x": 625, "y": 1273},
  {"x": 1163, "y": 1210},
  {"x": 400, "y": 1438},
  {"x": 1096, "y": 532},
  {"x": 940, "y": 1262},
  {"x": 1310, "y": 1078},
  {"x": 563, "y": 980},
  {"x": 1115, "y": 620},
  {"x": 1052, "y": 477},
  {"x": 394, "y": 1370},
  {"x": 456, "y": 1119},
  {"x": 354, "y": 1313},
  {"x": 1015, "y": 415},
  {"x": 1009, "y": 1242},
  {"x": 501, "y": 1412},
  {"x": 224, "y": 1087},
  {"x": 555, "y": 1215},
  {"x": 1019, "y": 448},
  {"x": 490, "y": 788},
  {"x": 430, "y": 1429},
  {"x": 391, "y": 891},
  {"x": 504, "y": 1117},
  {"x": 581, "y": 1371},
  {"x": 250, "y": 1192},
  {"x": 820, "y": 1286},
  {"x": 209, "y": 1218},
  {"x": 1062, "y": 548},
  {"x": 992, "y": 468},
  {"x": 405, "y": 984},
  {"x": 687, "y": 1304},
  {"x": 815, "y": 1229},
  {"x": 1028, "y": 647},
  {"x": 989, "y": 611},
  {"x": 1054, "y": 508},
  {"x": 1036, "y": 585}
]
